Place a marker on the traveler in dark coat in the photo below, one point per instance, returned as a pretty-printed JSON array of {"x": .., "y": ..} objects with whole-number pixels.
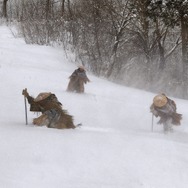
[
  {"x": 165, "y": 108},
  {"x": 53, "y": 116},
  {"x": 77, "y": 80}
]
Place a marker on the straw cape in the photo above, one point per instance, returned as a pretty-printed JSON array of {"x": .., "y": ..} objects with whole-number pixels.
[
  {"x": 53, "y": 115},
  {"x": 165, "y": 108},
  {"x": 77, "y": 80}
]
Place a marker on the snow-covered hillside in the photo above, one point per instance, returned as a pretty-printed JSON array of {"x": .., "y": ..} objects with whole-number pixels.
[{"x": 114, "y": 148}]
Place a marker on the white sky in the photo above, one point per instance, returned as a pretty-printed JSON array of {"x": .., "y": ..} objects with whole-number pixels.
[{"x": 114, "y": 148}]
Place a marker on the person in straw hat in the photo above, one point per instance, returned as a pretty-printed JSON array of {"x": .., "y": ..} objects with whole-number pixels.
[
  {"x": 53, "y": 116},
  {"x": 77, "y": 80},
  {"x": 165, "y": 108}
]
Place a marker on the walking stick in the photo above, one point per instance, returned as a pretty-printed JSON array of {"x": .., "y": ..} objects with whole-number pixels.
[
  {"x": 26, "y": 121},
  {"x": 152, "y": 123}
]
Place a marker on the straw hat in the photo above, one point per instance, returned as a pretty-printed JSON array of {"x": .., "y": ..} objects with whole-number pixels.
[
  {"x": 160, "y": 100},
  {"x": 81, "y": 67},
  {"x": 42, "y": 96}
]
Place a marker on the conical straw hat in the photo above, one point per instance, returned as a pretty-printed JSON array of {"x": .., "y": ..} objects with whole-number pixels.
[
  {"x": 81, "y": 67},
  {"x": 42, "y": 96},
  {"x": 160, "y": 100}
]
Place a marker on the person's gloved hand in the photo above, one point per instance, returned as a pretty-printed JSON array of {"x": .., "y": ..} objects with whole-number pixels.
[
  {"x": 25, "y": 93},
  {"x": 155, "y": 113}
]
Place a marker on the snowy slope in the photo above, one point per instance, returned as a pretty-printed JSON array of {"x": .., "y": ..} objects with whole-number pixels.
[{"x": 114, "y": 148}]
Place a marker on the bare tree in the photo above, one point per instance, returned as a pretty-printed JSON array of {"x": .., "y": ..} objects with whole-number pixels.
[
  {"x": 62, "y": 7},
  {"x": 119, "y": 18},
  {"x": 5, "y": 8}
]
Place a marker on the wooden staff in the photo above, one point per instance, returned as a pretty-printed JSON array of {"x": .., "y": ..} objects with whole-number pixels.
[
  {"x": 152, "y": 123},
  {"x": 25, "y": 102}
]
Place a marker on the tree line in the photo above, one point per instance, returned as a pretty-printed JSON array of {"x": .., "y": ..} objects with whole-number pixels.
[{"x": 138, "y": 43}]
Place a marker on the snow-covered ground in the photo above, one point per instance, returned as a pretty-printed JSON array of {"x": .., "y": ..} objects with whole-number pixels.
[{"x": 114, "y": 148}]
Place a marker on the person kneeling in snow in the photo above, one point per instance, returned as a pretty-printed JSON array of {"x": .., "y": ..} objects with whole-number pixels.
[
  {"x": 77, "y": 80},
  {"x": 165, "y": 108},
  {"x": 53, "y": 116}
]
